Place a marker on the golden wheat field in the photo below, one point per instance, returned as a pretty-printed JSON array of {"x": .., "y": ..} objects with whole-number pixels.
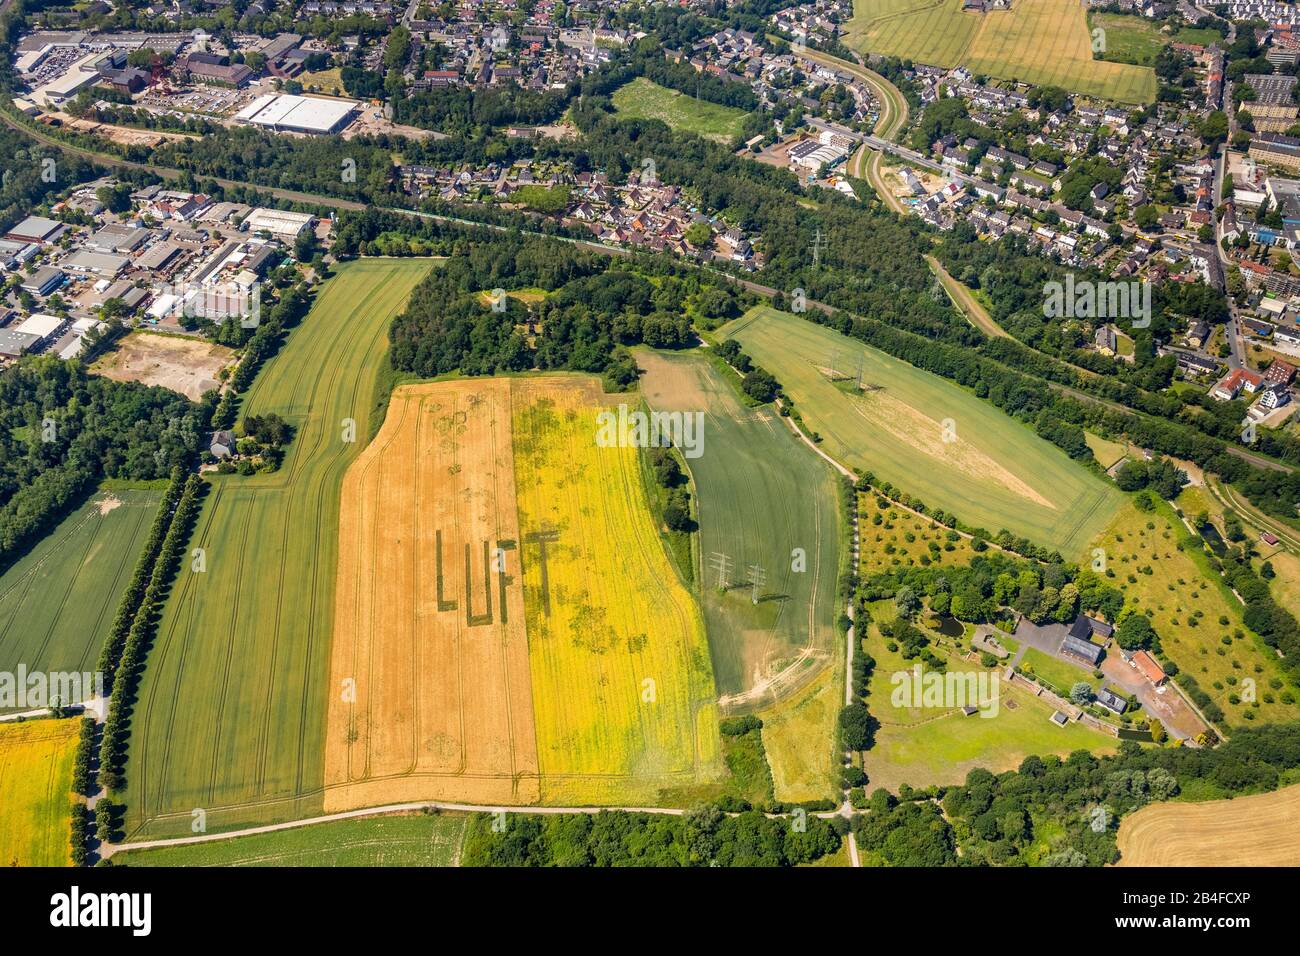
[
  {"x": 1259, "y": 830},
  {"x": 623, "y": 691},
  {"x": 508, "y": 627},
  {"x": 36, "y": 759},
  {"x": 430, "y": 694}
]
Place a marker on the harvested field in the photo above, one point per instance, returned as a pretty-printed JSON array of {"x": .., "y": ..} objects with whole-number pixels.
[
  {"x": 36, "y": 791},
  {"x": 427, "y": 632},
  {"x": 1259, "y": 830},
  {"x": 188, "y": 366},
  {"x": 1041, "y": 42}
]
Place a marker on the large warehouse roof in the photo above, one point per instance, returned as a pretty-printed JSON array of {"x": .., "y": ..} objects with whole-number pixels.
[{"x": 306, "y": 114}]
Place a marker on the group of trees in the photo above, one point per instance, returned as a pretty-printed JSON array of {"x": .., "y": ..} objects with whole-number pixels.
[
  {"x": 462, "y": 317},
  {"x": 704, "y": 836},
  {"x": 1063, "y": 812},
  {"x": 756, "y": 382},
  {"x": 668, "y": 475},
  {"x": 126, "y": 675}
]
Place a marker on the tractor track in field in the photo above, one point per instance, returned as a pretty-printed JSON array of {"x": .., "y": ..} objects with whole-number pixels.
[
  {"x": 142, "y": 717},
  {"x": 223, "y": 695},
  {"x": 287, "y": 487},
  {"x": 380, "y": 331},
  {"x": 23, "y": 586},
  {"x": 112, "y": 596},
  {"x": 371, "y": 668},
  {"x": 63, "y": 601}
]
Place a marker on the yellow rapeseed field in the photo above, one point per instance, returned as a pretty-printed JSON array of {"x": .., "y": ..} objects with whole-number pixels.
[
  {"x": 623, "y": 692},
  {"x": 36, "y": 792}
]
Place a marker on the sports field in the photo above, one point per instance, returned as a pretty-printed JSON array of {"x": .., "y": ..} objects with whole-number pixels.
[
  {"x": 926, "y": 435},
  {"x": 231, "y": 715},
  {"x": 36, "y": 791},
  {"x": 57, "y": 602},
  {"x": 1041, "y": 42},
  {"x": 645, "y": 99},
  {"x": 765, "y": 500},
  {"x": 428, "y": 630},
  {"x": 623, "y": 694},
  {"x": 1259, "y": 830},
  {"x": 377, "y": 841}
]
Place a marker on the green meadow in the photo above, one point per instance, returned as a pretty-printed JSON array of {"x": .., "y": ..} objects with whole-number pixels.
[
  {"x": 927, "y": 436},
  {"x": 58, "y": 600},
  {"x": 371, "y": 841},
  {"x": 645, "y": 99}
]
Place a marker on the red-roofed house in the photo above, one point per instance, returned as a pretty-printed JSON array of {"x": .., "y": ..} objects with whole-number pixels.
[
  {"x": 1236, "y": 381},
  {"x": 1146, "y": 666}
]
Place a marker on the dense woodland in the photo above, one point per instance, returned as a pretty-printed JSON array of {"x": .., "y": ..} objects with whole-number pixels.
[
  {"x": 704, "y": 836},
  {"x": 62, "y": 431}
]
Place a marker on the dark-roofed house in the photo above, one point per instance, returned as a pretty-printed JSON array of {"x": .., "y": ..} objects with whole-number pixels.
[
  {"x": 1078, "y": 641},
  {"x": 1111, "y": 701},
  {"x": 1085, "y": 628},
  {"x": 222, "y": 444},
  {"x": 1078, "y": 644},
  {"x": 1085, "y": 651}
]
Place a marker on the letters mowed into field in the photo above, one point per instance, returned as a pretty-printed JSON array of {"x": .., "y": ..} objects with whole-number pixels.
[
  {"x": 766, "y": 499},
  {"x": 56, "y": 603},
  {"x": 509, "y": 628},
  {"x": 433, "y": 655},
  {"x": 1043, "y": 42},
  {"x": 36, "y": 791},
  {"x": 231, "y": 714},
  {"x": 927, "y": 436}
]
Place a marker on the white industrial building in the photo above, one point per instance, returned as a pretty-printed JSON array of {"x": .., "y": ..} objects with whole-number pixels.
[
  {"x": 284, "y": 112},
  {"x": 282, "y": 225},
  {"x": 44, "y": 327}
]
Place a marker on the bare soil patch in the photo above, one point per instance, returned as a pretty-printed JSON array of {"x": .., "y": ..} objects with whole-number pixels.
[{"x": 188, "y": 366}]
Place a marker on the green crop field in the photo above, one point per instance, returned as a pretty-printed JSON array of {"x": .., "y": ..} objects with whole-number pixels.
[
  {"x": 373, "y": 841},
  {"x": 57, "y": 602},
  {"x": 645, "y": 99},
  {"x": 927, "y": 436},
  {"x": 1129, "y": 39},
  {"x": 230, "y": 718},
  {"x": 1041, "y": 42},
  {"x": 761, "y": 494}
]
